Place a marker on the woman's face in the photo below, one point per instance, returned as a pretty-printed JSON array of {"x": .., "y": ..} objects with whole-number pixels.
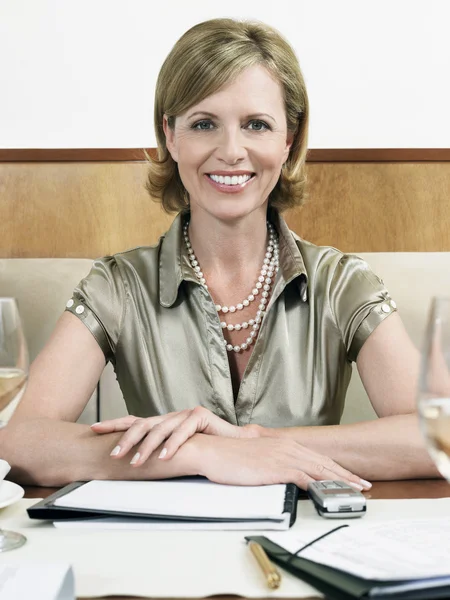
[{"x": 230, "y": 146}]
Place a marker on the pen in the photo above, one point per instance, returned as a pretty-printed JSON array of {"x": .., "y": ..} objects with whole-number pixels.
[{"x": 271, "y": 574}]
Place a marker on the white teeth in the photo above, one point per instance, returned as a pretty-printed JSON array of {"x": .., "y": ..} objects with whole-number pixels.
[{"x": 227, "y": 180}]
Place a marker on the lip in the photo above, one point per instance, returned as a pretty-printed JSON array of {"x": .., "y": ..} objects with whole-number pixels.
[
  {"x": 230, "y": 189},
  {"x": 231, "y": 173}
]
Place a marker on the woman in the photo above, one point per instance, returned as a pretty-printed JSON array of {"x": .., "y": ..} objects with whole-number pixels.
[{"x": 232, "y": 339}]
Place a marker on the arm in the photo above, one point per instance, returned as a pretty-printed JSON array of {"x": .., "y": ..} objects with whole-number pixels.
[
  {"x": 43, "y": 444},
  {"x": 45, "y": 447},
  {"x": 58, "y": 452},
  {"x": 392, "y": 446},
  {"x": 388, "y": 448}
]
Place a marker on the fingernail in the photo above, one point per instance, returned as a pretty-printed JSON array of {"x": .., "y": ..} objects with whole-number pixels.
[
  {"x": 135, "y": 458},
  {"x": 356, "y": 486},
  {"x": 98, "y": 423},
  {"x": 115, "y": 451},
  {"x": 163, "y": 453},
  {"x": 366, "y": 484}
]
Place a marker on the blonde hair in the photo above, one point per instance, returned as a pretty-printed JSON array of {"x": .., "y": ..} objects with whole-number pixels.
[{"x": 205, "y": 58}]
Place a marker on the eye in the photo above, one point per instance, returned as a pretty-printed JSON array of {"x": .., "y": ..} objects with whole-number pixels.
[
  {"x": 258, "y": 125},
  {"x": 204, "y": 125}
]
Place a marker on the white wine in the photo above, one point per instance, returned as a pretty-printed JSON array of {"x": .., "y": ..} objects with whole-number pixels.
[
  {"x": 435, "y": 422},
  {"x": 12, "y": 381}
]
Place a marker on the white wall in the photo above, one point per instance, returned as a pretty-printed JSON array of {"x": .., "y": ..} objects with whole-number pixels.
[{"x": 81, "y": 73}]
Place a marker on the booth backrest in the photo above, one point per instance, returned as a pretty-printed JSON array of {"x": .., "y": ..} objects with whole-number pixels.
[
  {"x": 42, "y": 287},
  {"x": 412, "y": 279}
]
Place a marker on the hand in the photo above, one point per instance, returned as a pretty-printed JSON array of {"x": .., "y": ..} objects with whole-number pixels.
[
  {"x": 174, "y": 428},
  {"x": 263, "y": 461}
]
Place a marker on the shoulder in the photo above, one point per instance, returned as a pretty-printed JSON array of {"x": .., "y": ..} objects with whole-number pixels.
[
  {"x": 113, "y": 276},
  {"x": 135, "y": 256},
  {"x": 327, "y": 262},
  {"x": 314, "y": 253},
  {"x": 140, "y": 259},
  {"x": 332, "y": 272}
]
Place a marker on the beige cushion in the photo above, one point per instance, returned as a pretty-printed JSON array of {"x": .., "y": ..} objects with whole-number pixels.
[
  {"x": 412, "y": 279},
  {"x": 42, "y": 287}
]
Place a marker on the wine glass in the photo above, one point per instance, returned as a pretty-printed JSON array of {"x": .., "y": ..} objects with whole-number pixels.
[
  {"x": 434, "y": 385},
  {"x": 13, "y": 379}
]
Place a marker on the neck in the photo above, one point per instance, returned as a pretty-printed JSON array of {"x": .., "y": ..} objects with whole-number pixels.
[{"x": 229, "y": 250}]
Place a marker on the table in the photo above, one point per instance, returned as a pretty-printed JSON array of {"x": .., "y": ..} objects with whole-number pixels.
[{"x": 418, "y": 488}]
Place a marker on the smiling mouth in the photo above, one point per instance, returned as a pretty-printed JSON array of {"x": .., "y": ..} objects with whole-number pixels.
[{"x": 231, "y": 180}]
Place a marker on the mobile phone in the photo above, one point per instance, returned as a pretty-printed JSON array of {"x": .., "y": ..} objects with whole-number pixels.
[{"x": 336, "y": 499}]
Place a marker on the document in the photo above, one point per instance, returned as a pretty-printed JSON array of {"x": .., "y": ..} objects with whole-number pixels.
[
  {"x": 147, "y": 524},
  {"x": 395, "y": 550},
  {"x": 184, "y": 503},
  {"x": 39, "y": 581}
]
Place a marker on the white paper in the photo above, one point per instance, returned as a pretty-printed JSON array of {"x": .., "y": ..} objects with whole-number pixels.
[
  {"x": 171, "y": 525},
  {"x": 184, "y": 498},
  {"x": 40, "y": 581},
  {"x": 401, "y": 549}
]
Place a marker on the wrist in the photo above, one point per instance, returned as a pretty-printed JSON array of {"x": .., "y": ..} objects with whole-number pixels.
[
  {"x": 191, "y": 453},
  {"x": 252, "y": 431},
  {"x": 268, "y": 432},
  {"x": 196, "y": 453}
]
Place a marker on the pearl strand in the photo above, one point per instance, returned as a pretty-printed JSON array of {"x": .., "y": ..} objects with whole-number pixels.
[
  {"x": 265, "y": 279},
  {"x": 259, "y": 284}
]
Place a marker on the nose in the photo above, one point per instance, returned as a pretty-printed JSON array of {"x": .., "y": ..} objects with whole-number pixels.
[{"x": 231, "y": 148}]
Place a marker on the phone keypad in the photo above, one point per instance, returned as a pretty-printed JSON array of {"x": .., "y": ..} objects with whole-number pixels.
[{"x": 330, "y": 485}]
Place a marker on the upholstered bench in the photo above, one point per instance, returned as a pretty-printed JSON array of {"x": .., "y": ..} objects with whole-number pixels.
[{"x": 42, "y": 287}]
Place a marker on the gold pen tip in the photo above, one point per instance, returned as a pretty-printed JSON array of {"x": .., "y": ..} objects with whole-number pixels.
[{"x": 273, "y": 581}]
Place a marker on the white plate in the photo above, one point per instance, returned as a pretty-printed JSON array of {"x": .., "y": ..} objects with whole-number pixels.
[{"x": 10, "y": 492}]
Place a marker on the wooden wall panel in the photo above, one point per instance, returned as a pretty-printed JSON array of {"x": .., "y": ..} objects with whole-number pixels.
[
  {"x": 76, "y": 209},
  {"x": 89, "y": 209},
  {"x": 374, "y": 207},
  {"x": 314, "y": 154}
]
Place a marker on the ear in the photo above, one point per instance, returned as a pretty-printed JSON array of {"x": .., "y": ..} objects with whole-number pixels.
[
  {"x": 289, "y": 142},
  {"x": 169, "y": 132}
]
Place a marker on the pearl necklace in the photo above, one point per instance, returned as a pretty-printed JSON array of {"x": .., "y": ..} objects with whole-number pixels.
[{"x": 264, "y": 283}]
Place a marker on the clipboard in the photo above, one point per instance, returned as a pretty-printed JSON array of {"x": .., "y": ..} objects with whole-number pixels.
[
  {"x": 53, "y": 507},
  {"x": 339, "y": 585}
]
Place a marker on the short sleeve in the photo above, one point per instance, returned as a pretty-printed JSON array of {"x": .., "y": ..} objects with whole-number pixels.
[
  {"x": 99, "y": 302},
  {"x": 359, "y": 302}
]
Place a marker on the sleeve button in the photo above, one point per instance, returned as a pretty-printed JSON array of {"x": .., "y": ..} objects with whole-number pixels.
[
  {"x": 79, "y": 309},
  {"x": 384, "y": 307},
  {"x": 69, "y": 303},
  {"x": 393, "y": 304}
]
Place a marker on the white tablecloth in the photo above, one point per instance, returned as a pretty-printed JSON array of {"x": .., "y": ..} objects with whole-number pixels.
[{"x": 180, "y": 564}]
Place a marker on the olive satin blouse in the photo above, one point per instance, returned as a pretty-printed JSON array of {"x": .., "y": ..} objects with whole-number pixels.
[{"x": 159, "y": 327}]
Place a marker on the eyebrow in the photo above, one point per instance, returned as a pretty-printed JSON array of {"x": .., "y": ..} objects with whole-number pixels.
[{"x": 213, "y": 116}]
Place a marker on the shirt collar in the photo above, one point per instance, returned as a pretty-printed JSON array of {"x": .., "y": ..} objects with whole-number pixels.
[
  {"x": 291, "y": 263},
  {"x": 174, "y": 265}
]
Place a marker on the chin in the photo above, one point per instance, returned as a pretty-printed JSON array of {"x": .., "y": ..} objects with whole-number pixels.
[{"x": 232, "y": 211}]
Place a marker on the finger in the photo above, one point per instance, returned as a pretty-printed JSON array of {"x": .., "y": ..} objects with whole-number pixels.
[
  {"x": 180, "y": 435},
  {"x": 338, "y": 472},
  {"x": 352, "y": 479},
  {"x": 300, "y": 478},
  {"x": 156, "y": 436},
  {"x": 319, "y": 471},
  {"x": 123, "y": 423},
  {"x": 341, "y": 473},
  {"x": 132, "y": 436},
  {"x": 212, "y": 424},
  {"x": 111, "y": 425}
]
